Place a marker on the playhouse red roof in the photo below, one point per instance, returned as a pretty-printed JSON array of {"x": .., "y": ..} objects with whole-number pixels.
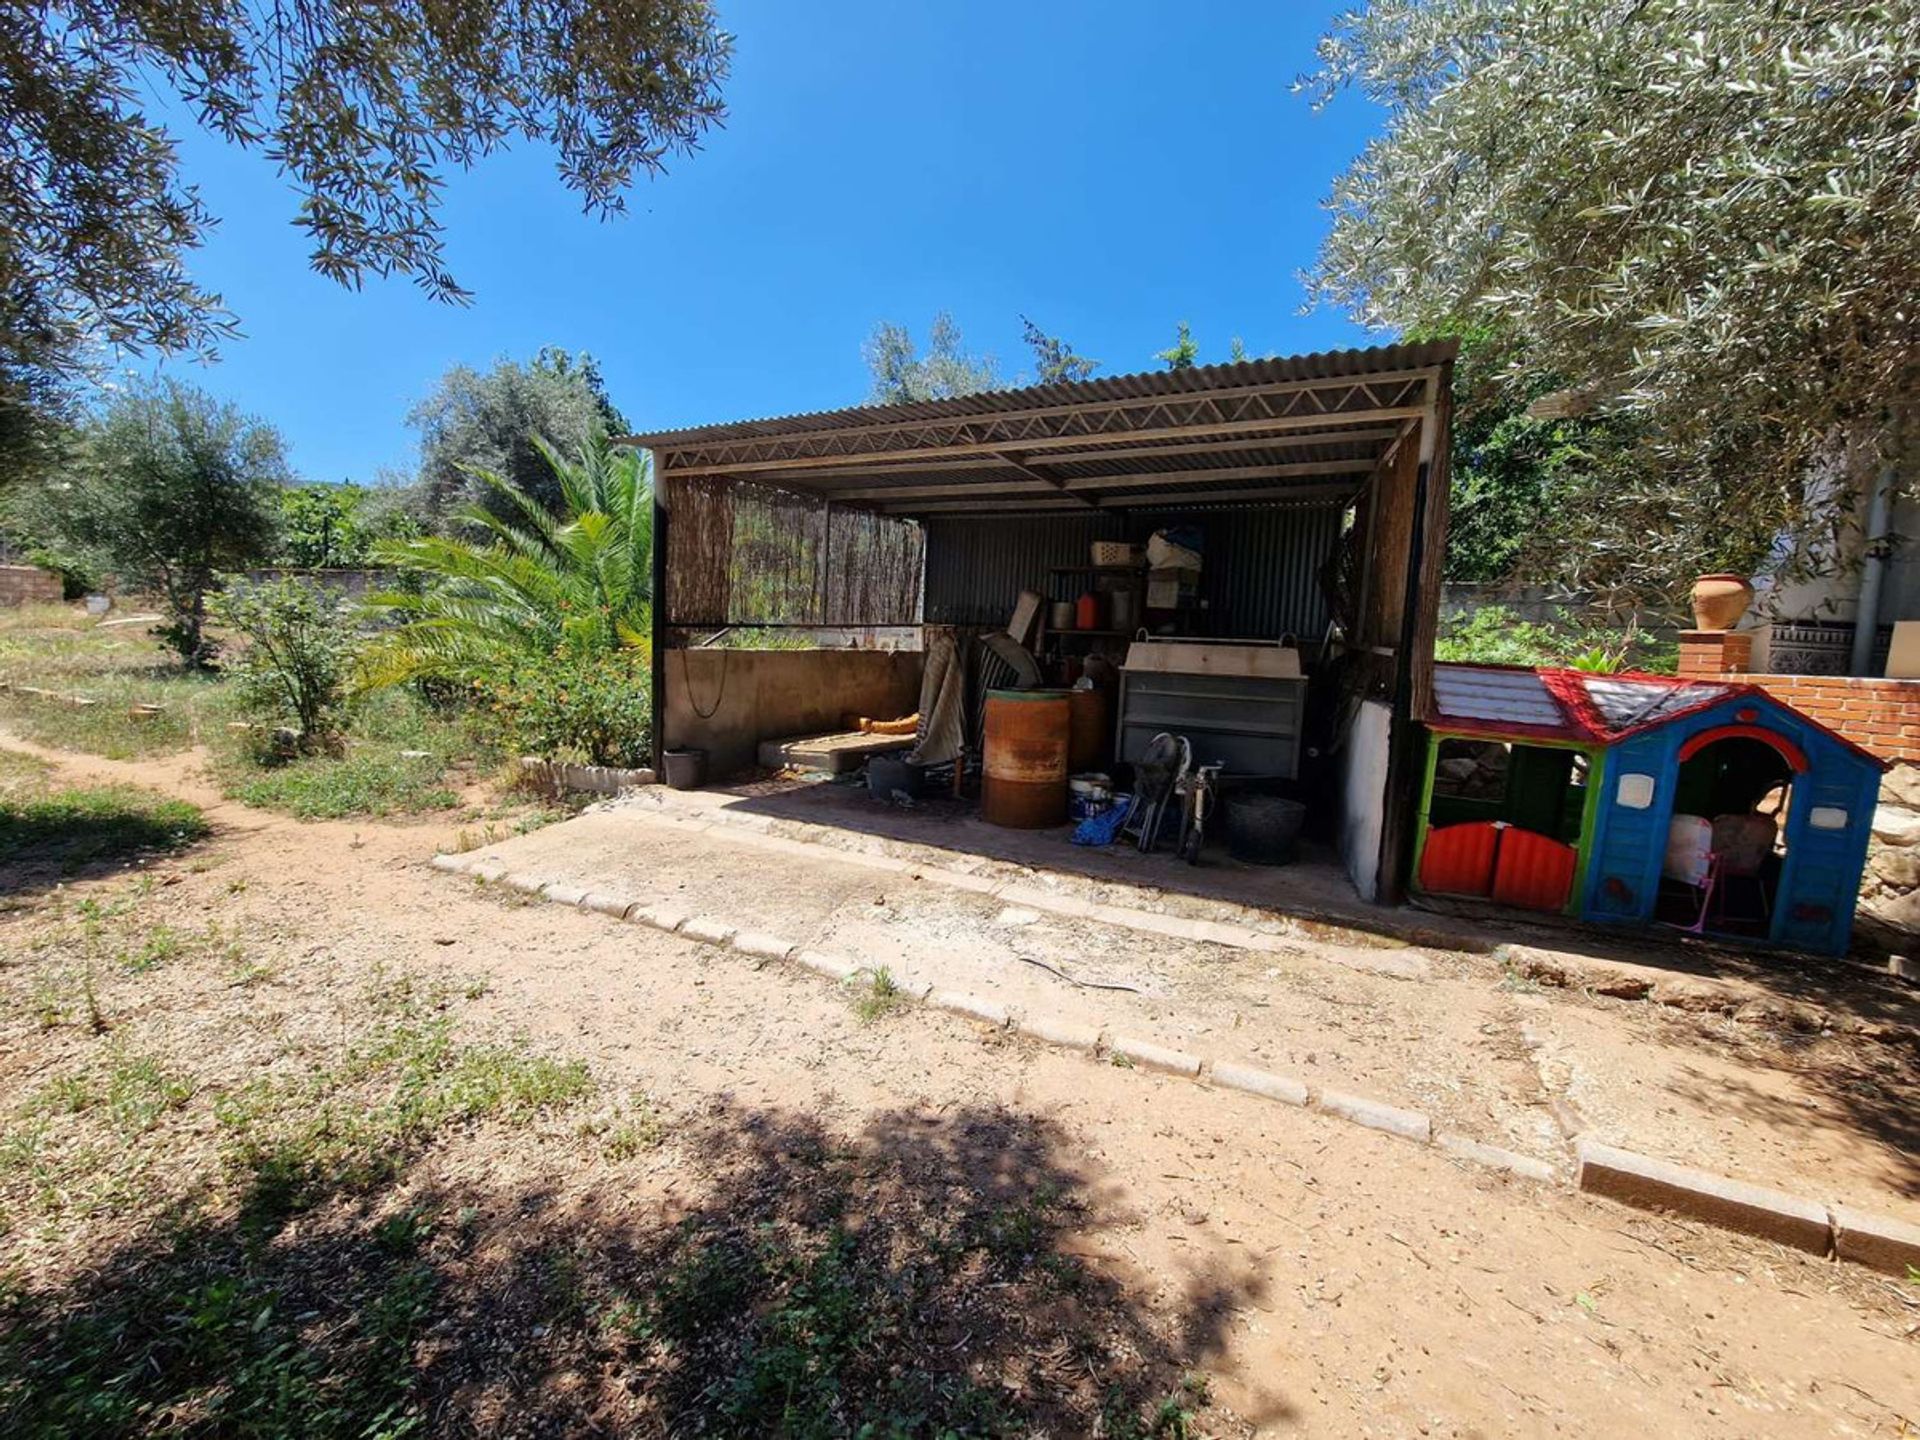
[{"x": 1575, "y": 705}]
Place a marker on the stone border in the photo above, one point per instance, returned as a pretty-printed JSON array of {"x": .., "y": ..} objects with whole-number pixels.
[{"x": 1605, "y": 1170}]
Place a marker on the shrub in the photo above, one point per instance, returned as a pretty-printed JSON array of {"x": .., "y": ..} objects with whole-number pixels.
[
  {"x": 584, "y": 706},
  {"x": 300, "y": 652},
  {"x": 1494, "y": 635}
]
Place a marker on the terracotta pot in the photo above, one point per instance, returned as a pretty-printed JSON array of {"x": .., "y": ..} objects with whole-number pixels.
[{"x": 1720, "y": 600}]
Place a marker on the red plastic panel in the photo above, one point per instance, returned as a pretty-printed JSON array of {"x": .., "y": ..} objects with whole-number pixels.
[
  {"x": 1458, "y": 859},
  {"x": 1535, "y": 872}
]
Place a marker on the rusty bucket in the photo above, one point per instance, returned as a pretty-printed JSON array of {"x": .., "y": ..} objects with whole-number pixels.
[{"x": 1026, "y": 759}]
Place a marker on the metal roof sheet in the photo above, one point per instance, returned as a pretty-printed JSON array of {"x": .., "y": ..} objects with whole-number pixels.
[
  {"x": 1144, "y": 384},
  {"x": 1498, "y": 697}
]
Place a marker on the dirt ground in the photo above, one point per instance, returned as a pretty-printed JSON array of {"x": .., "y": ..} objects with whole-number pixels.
[
  {"x": 1326, "y": 1280},
  {"x": 1820, "y": 1109}
]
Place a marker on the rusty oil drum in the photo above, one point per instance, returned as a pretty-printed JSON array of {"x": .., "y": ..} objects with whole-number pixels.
[{"x": 1025, "y": 787}]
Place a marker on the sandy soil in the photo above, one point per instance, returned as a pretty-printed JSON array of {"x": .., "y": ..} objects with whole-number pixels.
[
  {"x": 1487, "y": 1053},
  {"x": 1329, "y": 1280}
]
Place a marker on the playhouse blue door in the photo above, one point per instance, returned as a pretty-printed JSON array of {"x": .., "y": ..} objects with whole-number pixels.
[{"x": 1827, "y": 830}]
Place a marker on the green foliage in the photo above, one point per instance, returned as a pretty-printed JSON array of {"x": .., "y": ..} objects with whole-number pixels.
[
  {"x": 172, "y": 487},
  {"x": 372, "y": 778},
  {"x": 1698, "y": 213},
  {"x": 877, "y": 995},
  {"x": 587, "y": 706},
  {"x": 301, "y": 650},
  {"x": 1494, "y": 635},
  {"x": 363, "y": 119},
  {"x": 475, "y": 425},
  {"x": 330, "y": 526},
  {"x": 535, "y": 585},
  {"x": 1514, "y": 477},
  {"x": 1184, "y": 353},
  {"x": 1054, "y": 359},
  {"x": 75, "y": 826},
  {"x": 901, "y": 373}
]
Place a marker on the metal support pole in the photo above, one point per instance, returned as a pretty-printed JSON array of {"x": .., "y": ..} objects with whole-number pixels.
[{"x": 1866, "y": 615}]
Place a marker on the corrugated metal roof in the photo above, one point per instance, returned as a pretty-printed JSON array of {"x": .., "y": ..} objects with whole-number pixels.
[
  {"x": 1498, "y": 698},
  {"x": 1145, "y": 384}
]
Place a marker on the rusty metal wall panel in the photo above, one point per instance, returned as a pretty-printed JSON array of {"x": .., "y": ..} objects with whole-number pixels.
[{"x": 977, "y": 566}]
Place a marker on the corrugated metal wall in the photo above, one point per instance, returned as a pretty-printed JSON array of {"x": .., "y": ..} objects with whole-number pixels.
[
  {"x": 977, "y": 566},
  {"x": 1261, "y": 578}
]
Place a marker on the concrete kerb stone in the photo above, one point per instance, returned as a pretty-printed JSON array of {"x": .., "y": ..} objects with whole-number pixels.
[
  {"x": 659, "y": 917},
  {"x": 973, "y": 1006},
  {"x": 603, "y": 903},
  {"x": 561, "y": 893},
  {"x": 1650, "y": 1184},
  {"x": 708, "y": 930},
  {"x": 834, "y": 967},
  {"x": 1284, "y": 1088},
  {"x": 1875, "y": 1240},
  {"x": 525, "y": 884},
  {"x": 1050, "y": 1030},
  {"x": 1377, "y": 1115},
  {"x": 1492, "y": 1157},
  {"x": 488, "y": 872},
  {"x": 759, "y": 946},
  {"x": 452, "y": 864},
  {"x": 1150, "y": 1056}
]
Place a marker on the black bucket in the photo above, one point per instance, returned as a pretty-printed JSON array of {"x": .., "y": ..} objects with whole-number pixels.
[
  {"x": 1264, "y": 829},
  {"x": 686, "y": 769}
]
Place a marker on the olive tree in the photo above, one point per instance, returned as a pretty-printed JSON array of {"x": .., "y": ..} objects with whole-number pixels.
[
  {"x": 362, "y": 105},
  {"x": 1698, "y": 216},
  {"x": 170, "y": 488}
]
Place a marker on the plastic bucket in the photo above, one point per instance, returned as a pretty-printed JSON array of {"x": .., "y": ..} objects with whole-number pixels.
[
  {"x": 1264, "y": 829},
  {"x": 686, "y": 769}
]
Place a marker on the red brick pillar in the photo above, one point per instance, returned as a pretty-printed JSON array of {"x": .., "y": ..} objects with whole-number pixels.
[{"x": 1711, "y": 653}]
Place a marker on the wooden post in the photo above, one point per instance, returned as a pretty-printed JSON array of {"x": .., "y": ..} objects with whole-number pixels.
[{"x": 662, "y": 614}]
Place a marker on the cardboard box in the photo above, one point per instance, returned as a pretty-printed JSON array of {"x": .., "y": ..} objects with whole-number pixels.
[{"x": 1172, "y": 587}]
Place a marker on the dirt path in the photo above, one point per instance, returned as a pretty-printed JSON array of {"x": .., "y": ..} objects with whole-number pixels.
[
  {"x": 1330, "y": 1281},
  {"x": 1487, "y": 1054}
]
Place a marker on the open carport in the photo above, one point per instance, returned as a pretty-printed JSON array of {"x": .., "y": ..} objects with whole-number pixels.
[{"x": 1316, "y": 483}]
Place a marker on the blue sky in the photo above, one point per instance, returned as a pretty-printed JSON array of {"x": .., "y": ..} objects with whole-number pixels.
[{"x": 1108, "y": 168}]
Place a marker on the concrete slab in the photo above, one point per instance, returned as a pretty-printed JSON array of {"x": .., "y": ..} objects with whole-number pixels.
[{"x": 837, "y": 754}]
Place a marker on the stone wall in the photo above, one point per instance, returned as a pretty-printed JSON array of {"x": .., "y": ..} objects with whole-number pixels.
[{"x": 29, "y": 585}]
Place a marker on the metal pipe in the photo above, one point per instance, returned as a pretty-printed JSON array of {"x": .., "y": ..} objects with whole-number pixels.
[{"x": 1873, "y": 569}]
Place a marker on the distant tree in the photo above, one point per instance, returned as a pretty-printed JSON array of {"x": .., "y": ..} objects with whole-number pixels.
[
  {"x": 490, "y": 422},
  {"x": 337, "y": 525},
  {"x": 1183, "y": 354},
  {"x": 361, "y": 107},
  {"x": 900, "y": 373},
  {"x": 170, "y": 488},
  {"x": 1702, "y": 212},
  {"x": 1054, "y": 359}
]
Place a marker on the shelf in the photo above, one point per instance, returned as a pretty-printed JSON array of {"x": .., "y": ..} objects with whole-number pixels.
[{"x": 1096, "y": 570}]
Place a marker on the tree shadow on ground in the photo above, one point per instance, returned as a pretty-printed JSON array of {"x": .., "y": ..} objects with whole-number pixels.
[
  {"x": 758, "y": 1273},
  {"x": 76, "y": 833}
]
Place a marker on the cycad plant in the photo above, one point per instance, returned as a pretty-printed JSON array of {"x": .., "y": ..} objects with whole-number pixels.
[{"x": 531, "y": 585}]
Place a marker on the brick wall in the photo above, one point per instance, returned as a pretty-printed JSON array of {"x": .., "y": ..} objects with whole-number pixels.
[
  {"x": 1882, "y": 715},
  {"x": 28, "y": 585}
]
